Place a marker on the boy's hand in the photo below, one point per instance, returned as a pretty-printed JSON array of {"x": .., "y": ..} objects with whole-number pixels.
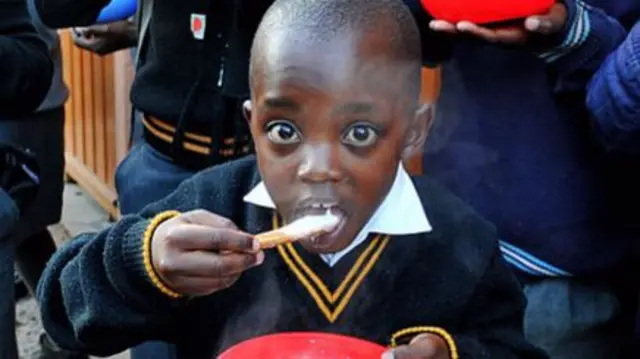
[
  {"x": 550, "y": 23},
  {"x": 199, "y": 253},
  {"x": 423, "y": 346}
]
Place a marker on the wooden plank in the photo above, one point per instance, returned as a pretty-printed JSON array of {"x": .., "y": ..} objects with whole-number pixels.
[
  {"x": 430, "y": 85},
  {"x": 111, "y": 133},
  {"x": 88, "y": 105},
  {"x": 65, "y": 42},
  {"x": 123, "y": 77},
  {"x": 100, "y": 119},
  {"x": 78, "y": 112},
  {"x": 429, "y": 94},
  {"x": 87, "y": 179}
]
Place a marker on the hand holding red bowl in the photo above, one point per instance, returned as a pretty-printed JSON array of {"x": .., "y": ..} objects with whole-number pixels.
[{"x": 524, "y": 18}]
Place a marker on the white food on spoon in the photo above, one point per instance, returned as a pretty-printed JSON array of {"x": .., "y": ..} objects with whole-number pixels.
[{"x": 311, "y": 225}]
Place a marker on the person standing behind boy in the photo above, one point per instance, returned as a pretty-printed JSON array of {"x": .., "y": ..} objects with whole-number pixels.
[
  {"x": 512, "y": 142},
  {"x": 334, "y": 109},
  {"x": 42, "y": 131},
  {"x": 25, "y": 77}
]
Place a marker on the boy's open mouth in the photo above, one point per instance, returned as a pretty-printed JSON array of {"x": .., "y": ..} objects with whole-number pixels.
[{"x": 323, "y": 241}]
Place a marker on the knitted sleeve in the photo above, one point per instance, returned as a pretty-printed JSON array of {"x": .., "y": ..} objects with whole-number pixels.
[
  {"x": 97, "y": 294},
  {"x": 614, "y": 98},
  {"x": 493, "y": 326}
]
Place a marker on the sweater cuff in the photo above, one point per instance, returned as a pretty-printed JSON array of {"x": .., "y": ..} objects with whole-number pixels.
[
  {"x": 137, "y": 252},
  {"x": 408, "y": 334},
  {"x": 575, "y": 33}
]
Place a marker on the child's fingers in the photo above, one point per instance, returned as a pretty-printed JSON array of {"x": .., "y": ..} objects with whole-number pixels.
[
  {"x": 473, "y": 29},
  {"x": 507, "y": 35},
  {"x": 511, "y": 35},
  {"x": 207, "y": 218},
  {"x": 441, "y": 25},
  {"x": 97, "y": 30},
  {"x": 423, "y": 346},
  {"x": 199, "y": 237},
  {"x": 210, "y": 265},
  {"x": 199, "y": 286},
  {"x": 402, "y": 352},
  {"x": 549, "y": 23}
]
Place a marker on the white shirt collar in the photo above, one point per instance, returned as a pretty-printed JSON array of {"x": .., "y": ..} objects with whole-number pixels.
[{"x": 400, "y": 213}]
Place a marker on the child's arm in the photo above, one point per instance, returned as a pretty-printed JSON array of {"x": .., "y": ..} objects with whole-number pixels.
[
  {"x": 95, "y": 295},
  {"x": 492, "y": 328},
  {"x": 99, "y": 293},
  {"x": 614, "y": 97}
]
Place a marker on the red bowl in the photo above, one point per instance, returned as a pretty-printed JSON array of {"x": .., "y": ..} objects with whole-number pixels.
[
  {"x": 307, "y": 345},
  {"x": 485, "y": 11}
]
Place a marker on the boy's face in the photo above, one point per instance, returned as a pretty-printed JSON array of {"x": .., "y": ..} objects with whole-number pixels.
[{"x": 331, "y": 121}]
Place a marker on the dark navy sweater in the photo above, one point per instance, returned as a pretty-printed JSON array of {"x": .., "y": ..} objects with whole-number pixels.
[
  {"x": 95, "y": 295},
  {"x": 512, "y": 138}
]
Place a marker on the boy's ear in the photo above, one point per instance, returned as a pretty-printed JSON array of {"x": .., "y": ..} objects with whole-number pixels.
[
  {"x": 246, "y": 110},
  {"x": 417, "y": 130}
]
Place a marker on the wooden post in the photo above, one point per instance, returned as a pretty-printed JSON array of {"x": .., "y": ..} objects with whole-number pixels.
[
  {"x": 98, "y": 116},
  {"x": 429, "y": 94}
]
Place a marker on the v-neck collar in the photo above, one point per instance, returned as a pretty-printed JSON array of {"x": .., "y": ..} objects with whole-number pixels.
[{"x": 332, "y": 302}]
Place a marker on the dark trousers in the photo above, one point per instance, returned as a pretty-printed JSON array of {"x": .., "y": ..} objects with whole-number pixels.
[{"x": 28, "y": 242}]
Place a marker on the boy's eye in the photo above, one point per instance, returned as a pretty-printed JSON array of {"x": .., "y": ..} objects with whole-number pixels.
[
  {"x": 282, "y": 133},
  {"x": 360, "y": 136}
]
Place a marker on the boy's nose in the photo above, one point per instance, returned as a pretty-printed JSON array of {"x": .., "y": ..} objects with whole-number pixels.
[{"x": 319, "y": 164}]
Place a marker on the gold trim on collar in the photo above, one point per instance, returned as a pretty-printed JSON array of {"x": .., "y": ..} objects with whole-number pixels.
[{"x": 332, "y": 304}]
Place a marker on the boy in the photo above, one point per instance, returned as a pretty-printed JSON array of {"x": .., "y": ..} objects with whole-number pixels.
[{"x": 333, "y": 111}]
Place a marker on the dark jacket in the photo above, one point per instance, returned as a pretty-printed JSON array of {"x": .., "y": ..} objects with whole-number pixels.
[
  {"x": 96, "y": 296},
  {"x": 25, "y": 66}
]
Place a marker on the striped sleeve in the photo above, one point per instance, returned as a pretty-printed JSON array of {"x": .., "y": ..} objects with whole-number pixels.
[
  {"x": 579, "y": 28},
  {"x": 529, "y": 264},
  {"x": 588, "y": 38}
]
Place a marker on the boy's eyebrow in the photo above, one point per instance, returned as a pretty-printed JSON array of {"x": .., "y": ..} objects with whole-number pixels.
[
  {"x": 356, "y": 108},
  {"x": 281, "y": 103}
]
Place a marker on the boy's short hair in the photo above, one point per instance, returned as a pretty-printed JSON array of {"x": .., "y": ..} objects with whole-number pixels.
[{"x": 327, "y": 19}]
